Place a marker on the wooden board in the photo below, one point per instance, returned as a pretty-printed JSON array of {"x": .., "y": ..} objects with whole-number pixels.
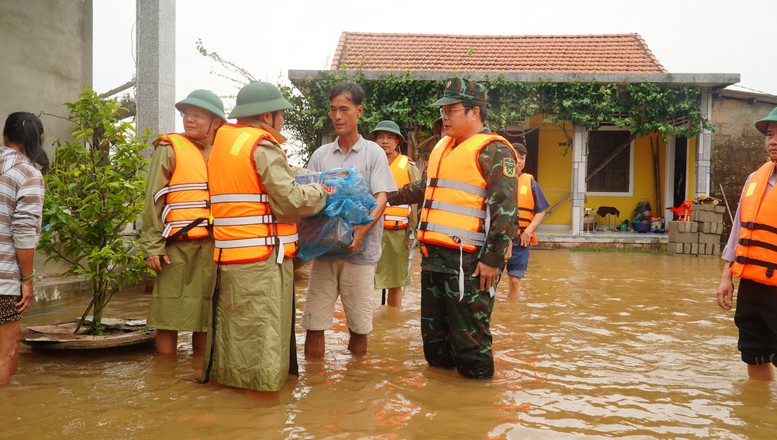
[{"x": 119, "y": 333}]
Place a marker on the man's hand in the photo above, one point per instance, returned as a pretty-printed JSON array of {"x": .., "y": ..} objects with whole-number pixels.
[
  {"x": 359, "y": 232},
  {"x": 154, "y": 262},
  {"x": 26, "y": 300},
  {"x": 525, "y": 239},
  {"x": 726, "y": 293},
  {"x": 509, "y": 252},
  {"x": 487, "y": 276}
]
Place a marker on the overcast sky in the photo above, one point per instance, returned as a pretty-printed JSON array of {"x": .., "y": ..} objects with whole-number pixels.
[{"x": 271, "y": 37}]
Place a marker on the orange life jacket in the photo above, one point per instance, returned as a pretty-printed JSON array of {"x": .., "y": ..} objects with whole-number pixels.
[
  {"x": 525, "y": 204},
  {"x": 186, "y": 195},
  {"x": 756, "y": 252},
  {"x": 244, "y": 226},
  {"x": 454, "y": 211},
  {"x": 398, "y": 217}
]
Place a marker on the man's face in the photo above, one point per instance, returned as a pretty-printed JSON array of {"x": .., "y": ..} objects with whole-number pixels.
[
  {"x": 771, "y": 140},
  {"x": 344, "y": 114},
  {"x": 388, "y": 141},
  {"x": 520, "y": 162},
  {"x": 456, "y": 121},
  {"x": 196, "y": 121}
]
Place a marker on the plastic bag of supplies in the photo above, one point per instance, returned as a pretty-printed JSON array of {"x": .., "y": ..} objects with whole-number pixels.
[{"x": 326, "y": 234}]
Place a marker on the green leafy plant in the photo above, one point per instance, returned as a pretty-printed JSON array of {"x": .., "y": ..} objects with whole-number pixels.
[{"x": 94, "y": 191}]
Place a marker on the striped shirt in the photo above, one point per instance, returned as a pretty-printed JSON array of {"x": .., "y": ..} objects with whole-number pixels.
[{"x": 21, "y": 208}]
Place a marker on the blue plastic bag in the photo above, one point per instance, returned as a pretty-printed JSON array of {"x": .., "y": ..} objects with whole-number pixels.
[{"x": 327, "y": 234}]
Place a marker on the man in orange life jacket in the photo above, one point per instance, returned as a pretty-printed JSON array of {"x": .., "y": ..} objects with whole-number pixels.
[
  {"x": 532, "y": 205},
  {"x": 751, "y": 251},
  {"x": 468, "y": 218},
  {"x": 255, "y": 203},
  {"x": 175, "y": 236},
  {"x": 398, "y": 221}
]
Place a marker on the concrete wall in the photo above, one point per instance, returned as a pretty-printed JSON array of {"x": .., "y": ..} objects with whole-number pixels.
[
  {"x": 46, "y": 59},
  {"x": 734, "y": 118}
]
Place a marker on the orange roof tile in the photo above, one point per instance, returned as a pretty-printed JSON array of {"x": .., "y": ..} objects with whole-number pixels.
[{"x": 616, "y": 53}]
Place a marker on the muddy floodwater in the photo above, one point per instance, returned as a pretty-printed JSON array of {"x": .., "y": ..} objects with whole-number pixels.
[{"x": 601, "y": 345}]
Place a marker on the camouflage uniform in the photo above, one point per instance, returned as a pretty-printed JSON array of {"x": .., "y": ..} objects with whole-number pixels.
[{"x": 456, "y": 333}]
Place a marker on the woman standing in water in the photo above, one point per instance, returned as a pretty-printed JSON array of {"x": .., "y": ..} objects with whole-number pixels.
[{"x": 21, "y": 207}]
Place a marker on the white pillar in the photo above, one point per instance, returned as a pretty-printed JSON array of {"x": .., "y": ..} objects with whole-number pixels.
[
  {"x": 155, "y": 92},
  {"x": 704, "y": 147},
  {"x": 579, "y": 170}
]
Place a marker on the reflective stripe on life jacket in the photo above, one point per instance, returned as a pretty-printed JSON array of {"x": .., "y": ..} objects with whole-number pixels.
[
  {"x": 454, "y": 214},
  {"x": 244, "y": 226},
  {"x": 525, "y": 204},
  {"x": 186, "y": 194},
  {"x": 398, "y": 217},
  {"x": 756, "y": 251}
]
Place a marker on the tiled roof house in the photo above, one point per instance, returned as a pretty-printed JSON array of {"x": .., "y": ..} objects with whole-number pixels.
[
  {"x": 500, "y": 53},
  {"x": 617, "y": 58}
]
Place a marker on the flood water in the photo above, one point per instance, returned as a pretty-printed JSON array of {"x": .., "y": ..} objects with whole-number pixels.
[{"x": 601, "y": 345}]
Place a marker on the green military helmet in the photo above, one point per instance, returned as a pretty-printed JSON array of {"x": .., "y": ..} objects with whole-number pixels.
[
  {"x": 389, "y": 126},
  {"x": 204, "y": 99},
  {"x": 258, "y": 98},
  {"x": 763, "y": 124},
  {"x": 463, "y": 90}
]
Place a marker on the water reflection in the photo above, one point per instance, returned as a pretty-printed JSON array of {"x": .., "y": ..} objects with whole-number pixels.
[{"x": 600, "y": 346}]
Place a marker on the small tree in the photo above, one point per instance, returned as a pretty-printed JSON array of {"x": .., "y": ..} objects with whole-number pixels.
[{"x": 94, "y": 189}]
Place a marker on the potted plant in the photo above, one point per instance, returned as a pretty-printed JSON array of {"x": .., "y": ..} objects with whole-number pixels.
[{"x": 94, "y": 193}]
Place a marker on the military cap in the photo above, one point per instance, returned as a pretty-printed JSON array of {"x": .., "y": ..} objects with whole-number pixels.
[
  {"x": 463, "y": 90},
  {"x": 204, "y": 99},
  {"x": 763, "y": 124},
  {"x": 389, "y": 126},
  {"x": 258, "y": 98}
]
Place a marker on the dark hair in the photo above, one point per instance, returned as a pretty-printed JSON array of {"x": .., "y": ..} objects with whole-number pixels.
[
  {"x": 26, "y": 129},
  {"x": 520, "y": 148},
  {"x": 354, "y": 90},
  {"x": 483, "y": 111}
]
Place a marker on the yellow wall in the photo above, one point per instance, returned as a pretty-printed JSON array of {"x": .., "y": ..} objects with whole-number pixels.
[
  {"x": 555, "y": 176},
  {"x": 643, "y": 182},
  {"x": 554, "y": 171}
]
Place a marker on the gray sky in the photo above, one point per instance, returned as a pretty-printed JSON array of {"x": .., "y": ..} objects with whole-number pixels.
[{"x": 270, "y": 37}]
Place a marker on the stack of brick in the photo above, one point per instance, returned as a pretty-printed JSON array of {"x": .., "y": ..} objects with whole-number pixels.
[{"x": 700, "y": 235}]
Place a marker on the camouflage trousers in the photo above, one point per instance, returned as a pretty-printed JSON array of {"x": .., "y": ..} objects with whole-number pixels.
[{"x": 456, "y": 333}]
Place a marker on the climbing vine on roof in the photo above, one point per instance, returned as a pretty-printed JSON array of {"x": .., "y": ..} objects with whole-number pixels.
[{"x": 641, "y": 108}]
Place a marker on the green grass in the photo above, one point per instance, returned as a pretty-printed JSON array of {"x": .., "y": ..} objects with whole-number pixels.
[{"x": 629, "y": 250}]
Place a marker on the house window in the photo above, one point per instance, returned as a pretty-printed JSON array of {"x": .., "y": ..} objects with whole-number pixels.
[{"x": 615, "y": 175}]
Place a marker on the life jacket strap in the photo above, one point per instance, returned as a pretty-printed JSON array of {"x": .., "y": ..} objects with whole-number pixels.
[
  {"x": 180, "y": 187},
  {"x": 260, "y": 241},
  {"x": 183, "y": 205},
  {"x": 757, "y": 243},
  {"x": 248, "y": 220},
  {"x": 752, "y": 261},
  {"x": 453, "y": 184},
  {"x": 456, "y": 209},
  {"x": 759, "y": 227},
  {"x": 185, "y": 226},
  {"x": 456, "y": 234},
  {"x": 237, "y": 198}
]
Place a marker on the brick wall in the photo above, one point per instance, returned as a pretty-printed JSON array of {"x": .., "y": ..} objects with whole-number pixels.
[{"x": 700, "y": 235}]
